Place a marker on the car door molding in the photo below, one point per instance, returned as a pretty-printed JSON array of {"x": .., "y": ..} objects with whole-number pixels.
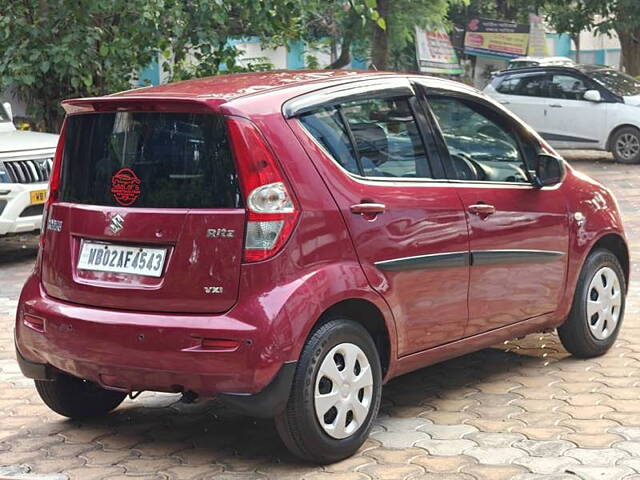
[
  {"x": 566, "y": 138},
  {"x": 515, "y": 256},
  {"x": 465, "y": 259},
  {"x": 422, "y": 262}
]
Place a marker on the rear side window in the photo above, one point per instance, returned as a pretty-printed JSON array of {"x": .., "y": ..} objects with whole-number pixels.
[
  {"x": 528, "y": 86},
  {"x": 327, "y": 128},
  {"x": 157, "y": 160},
  {"x": 377, "y": 138}
]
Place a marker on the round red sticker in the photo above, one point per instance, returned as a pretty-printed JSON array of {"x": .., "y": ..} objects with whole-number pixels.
[{"x": 125, "y": 186}]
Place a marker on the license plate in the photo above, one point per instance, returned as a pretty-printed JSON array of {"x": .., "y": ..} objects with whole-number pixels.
[
  {"x": 38, "y": 196},
  {"x": 103, "y": 257}
]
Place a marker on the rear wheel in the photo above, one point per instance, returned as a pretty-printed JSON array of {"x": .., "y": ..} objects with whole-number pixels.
[
  {"x": 625, "y": 145},
  {"x": 75, "y": 398},
  {"x": 598, "y": 307},
  {"x": 335, "y": 394}
]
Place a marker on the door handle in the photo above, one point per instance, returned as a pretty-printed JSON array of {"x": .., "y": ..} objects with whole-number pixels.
[
  {"x": 369, "y": 210},
  {"x": 482, "y": 210},
  {"x": 555, "y": 105},
  {"x": 505, "y": 102}
]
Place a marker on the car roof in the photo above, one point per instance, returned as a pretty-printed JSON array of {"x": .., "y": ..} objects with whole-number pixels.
[
  {"x": 222, "y": 89},
  {"x": 231, "y": 86}
]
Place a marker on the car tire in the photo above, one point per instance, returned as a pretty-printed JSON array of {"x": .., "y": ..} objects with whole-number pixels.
[
  {"x": 598, "y": 307},
  {"x": 625, "y": 145},
  {"x": 75, "y": 398},
  {"x": 338, "y": 367}
]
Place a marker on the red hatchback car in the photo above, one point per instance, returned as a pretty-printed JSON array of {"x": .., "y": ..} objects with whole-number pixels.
[{"x": 287, "y": 242}]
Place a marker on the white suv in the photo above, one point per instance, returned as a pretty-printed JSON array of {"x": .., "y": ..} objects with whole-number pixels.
[
  {"x": 25, "y": 164},
  {"x": 585, "y": 106}
]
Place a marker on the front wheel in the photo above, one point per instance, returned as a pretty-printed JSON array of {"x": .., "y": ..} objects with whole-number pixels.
[
  {"x": 335, "y": 394},
  {"x": 598, "y": 307},
  {"x": 76, "y": 398},
  {"x": 625, "y": 145}
]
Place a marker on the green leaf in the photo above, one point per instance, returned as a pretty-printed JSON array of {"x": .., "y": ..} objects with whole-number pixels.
[
  {"x": 104, "y": 50},
  {"x": 381, "y": 23}
]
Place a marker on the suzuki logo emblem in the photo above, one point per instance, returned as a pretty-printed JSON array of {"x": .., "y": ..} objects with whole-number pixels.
[{"x": 117, "y": 223}]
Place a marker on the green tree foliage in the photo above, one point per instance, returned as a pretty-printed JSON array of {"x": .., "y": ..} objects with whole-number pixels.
[
  {"x": 339, "y": 26},
  {"x": 55, "y": 49},
  {"x": 196, "y": 32},
  {"x": 571, "y": 21},
  {"x": 604, "y": 17},
  {"x": 400, "y": 19}
]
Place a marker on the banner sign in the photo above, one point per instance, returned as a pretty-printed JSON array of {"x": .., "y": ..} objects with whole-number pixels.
[
  {"x": 435, "y": 52},
  {"x": 537, "y": 37},
  {"x": 496, "y": 38}
]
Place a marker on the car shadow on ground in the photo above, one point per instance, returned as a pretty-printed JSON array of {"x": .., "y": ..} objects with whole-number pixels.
[
  {"x": 18, "y": 248},
  {"x": 207, "y": 431}
]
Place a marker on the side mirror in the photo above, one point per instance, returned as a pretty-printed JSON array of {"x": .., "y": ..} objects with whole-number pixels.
[
  {"x": 549, "y": 170},
  {"x": 592, "y": 96},
  {"x": 7, "y": 108}
]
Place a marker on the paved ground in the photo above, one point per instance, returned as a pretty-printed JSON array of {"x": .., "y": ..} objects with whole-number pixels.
[{"x": 523, "y": 410}]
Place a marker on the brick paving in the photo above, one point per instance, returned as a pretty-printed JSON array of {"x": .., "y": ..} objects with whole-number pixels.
[{"x": 523, "y": 410}]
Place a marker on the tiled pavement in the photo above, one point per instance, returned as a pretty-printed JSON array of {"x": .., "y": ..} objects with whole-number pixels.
[{"x": 523, "y": 410}]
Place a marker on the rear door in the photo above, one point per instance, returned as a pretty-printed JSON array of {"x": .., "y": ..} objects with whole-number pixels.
[
  {"x": 409, "y": 230},
  {"x": 523, "y": 94},
  {"x": 149, "y": 215}
]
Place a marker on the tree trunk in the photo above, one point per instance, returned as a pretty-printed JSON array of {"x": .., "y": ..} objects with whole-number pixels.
[
  {"x": 576, "y": 41},
  {"x": 345, "y": 53},
  {"x": 630, "y": 51},
  {"x": 380, "y": 41}
]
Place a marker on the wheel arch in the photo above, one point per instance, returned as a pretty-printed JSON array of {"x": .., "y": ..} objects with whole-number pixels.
[
  {"x": 368, "y": 315},
  {"x": 616, "y": 245},
  {"x": 615, "y": 130}
]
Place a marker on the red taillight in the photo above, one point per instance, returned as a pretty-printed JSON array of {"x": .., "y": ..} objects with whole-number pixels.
[
  {"x": 54, "y": 187},
  {"x": 271, "y": 207}
]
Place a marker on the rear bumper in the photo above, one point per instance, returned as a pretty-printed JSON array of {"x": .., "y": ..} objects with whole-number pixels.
[{"x": 133, "y": 351}]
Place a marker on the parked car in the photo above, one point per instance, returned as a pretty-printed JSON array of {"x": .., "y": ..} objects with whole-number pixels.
[
  {"x": 585, "y": 107},
  {"x": 290, "y": 241},
  {"x": 25, "y": 163},
  {"x": 524, "y": 62}
]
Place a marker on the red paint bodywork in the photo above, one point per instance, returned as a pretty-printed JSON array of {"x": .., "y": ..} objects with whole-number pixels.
[{"x": 145, "y": 333}]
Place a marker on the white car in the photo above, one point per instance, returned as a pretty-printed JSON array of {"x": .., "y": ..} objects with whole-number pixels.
[
  {"x": 582, "y": 107},
  {"x": 524, "y": 62},
  {"x": 26, "y": 159}
]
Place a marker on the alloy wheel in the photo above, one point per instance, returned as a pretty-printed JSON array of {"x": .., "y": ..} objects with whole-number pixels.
[
  {"x": 343, "y": 390},
  {"x": 604, "y": 301},
  {"x": 628, "y": 146}
]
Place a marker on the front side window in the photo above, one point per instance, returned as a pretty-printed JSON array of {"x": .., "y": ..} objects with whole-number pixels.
[
  {"x": 567, "y": 87},
  {"x": 480, "y": 148},
  {"x": 376, "y": 138}
]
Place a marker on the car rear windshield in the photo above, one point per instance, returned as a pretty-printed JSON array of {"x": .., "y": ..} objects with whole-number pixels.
[
  {"x": 619, "y": 83},
  {"x": 157, "y": 160}
]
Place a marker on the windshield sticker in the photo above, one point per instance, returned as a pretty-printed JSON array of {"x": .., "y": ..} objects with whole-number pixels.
[{"x": 125, "y": 186}]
